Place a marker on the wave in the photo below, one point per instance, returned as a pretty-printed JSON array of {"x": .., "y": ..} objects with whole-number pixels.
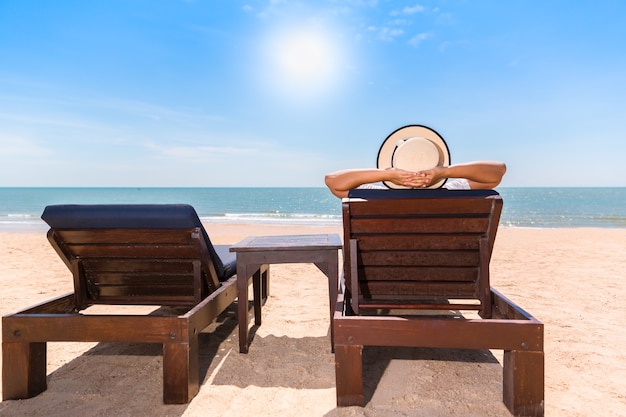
[
  {"x": 275, "y": 218},
  {"x": 19, "y": 215}
]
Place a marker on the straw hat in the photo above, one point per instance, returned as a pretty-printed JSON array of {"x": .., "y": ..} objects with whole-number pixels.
[{"x": 413, "y": 148}]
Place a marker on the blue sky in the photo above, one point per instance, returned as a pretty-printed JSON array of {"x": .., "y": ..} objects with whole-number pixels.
[{"x": 278, "y": 93}]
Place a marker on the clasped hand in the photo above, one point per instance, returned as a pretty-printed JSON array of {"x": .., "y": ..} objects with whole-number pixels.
[{"x": 415, "y": 179}]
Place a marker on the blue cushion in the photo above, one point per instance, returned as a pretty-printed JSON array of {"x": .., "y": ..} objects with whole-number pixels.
[
  {"x": 136, "y": 216},
  {"x": 370, "y": 194},
  {"x": 228, "y": 258}
]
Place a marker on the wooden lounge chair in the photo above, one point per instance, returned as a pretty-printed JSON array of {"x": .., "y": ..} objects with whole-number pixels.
[
  {"x": 416, "y": 265},
  {"x": 125, "y": 255}
]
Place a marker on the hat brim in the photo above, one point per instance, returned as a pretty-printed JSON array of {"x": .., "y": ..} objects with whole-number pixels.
[{"x": 385, "y": 153}]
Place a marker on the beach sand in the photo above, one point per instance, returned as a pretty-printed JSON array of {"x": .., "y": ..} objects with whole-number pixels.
[{"x": 574, "y": 280}]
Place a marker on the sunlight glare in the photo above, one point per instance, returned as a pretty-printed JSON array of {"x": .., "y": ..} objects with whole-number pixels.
[
  {"x": 302, "y": 63},
  {"x": 305, "y": 57}
]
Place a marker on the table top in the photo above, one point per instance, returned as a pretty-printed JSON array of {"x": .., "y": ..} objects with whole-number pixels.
[{"x": 288, "y": 242}]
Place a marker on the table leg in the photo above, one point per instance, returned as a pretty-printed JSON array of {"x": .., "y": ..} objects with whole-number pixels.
[
  {"x": 333, "y": 281},
  {"x": 242, "y": 306},
  {"x": 331, "y": 269},
  {"x": 265, "y": 280},
  {"x": 257, "y": 288}
]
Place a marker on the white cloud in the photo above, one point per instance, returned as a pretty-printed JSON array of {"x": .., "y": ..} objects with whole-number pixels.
[
  {"x": 51, "y": 120},
  {"x": 204, "y": 151},
  {"x": 389, "y": 34},
  {"x": 17, "y": 146},
  {"x": 412, "y": 10},
  {"x": 198, "y": 152},
  {"x": 419, "y": 38},
  {"x": 445, "y": 46},
  {"x": 399, "y": 22},
  {"x": 408, "y": 10}
]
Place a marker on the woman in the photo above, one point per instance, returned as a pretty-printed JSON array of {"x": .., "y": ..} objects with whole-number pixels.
[{"x": 471, "y": 175}]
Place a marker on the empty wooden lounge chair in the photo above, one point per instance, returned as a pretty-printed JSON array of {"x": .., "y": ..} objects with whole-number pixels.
[
  {"x": 125, "y": 255},
  {"x": 414, "y": 257}
]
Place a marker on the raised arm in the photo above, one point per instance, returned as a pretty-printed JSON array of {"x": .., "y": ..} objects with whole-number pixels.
[
  {"x": 341, "y": 182},
  {"x": 479, "y": 174}
]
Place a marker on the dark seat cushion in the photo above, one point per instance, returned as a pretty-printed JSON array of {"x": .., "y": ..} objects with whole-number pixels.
[
  {"x": 370, "y": 194},
  {"x": 137, "y": 216},
  {"x": 228, "y": 258}
]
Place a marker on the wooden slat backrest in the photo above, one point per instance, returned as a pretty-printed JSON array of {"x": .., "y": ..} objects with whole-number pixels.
[
  {"x": 421, "y": 251},
  {"x": 136, "y": 266}
]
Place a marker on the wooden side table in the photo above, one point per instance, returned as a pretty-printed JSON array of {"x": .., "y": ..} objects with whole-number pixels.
[{"x": 255, "y": 253}]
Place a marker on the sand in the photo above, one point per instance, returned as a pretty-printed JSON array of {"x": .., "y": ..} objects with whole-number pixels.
[{"x": 571, "y": 279}]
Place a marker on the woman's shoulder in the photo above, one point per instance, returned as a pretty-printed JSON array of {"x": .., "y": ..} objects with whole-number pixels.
[
  {"x": 372, "y": 186},
  {"x": 457, "y": 184}
]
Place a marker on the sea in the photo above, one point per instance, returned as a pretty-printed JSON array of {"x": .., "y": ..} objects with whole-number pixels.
[{"x": 525, "y": 207}]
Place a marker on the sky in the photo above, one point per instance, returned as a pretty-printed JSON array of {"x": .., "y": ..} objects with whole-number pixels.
[{"x": 277, "y": 93}]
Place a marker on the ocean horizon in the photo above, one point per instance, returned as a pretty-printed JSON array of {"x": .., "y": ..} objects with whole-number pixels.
[{"x": 534, "y": 207}]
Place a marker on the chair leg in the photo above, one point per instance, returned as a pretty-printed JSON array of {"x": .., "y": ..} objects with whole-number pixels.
[
  {"x": 523, "y": 383},
  {"x": 23, "y": 369},
  {"x": 180, "y": 371},
  {"x": 349, "y": 375}
]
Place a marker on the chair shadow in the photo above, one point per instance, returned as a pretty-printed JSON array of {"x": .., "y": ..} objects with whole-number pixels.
[
  {"x": 209, "y": 341},
  {"x": 376, "y": 361},
  {"x": 402, "y": 381},
  {"x": 115, "y": 382}
]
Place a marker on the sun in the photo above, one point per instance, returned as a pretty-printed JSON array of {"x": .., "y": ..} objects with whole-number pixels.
[
  {"x": 302, "y": 62},
  {"x": 305, "y": 57}
]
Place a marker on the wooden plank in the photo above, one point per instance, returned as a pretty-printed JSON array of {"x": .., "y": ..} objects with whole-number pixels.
[
  {"x": 376, "y": 290},
  {"x": 106, "y": 236},
  {"x": 140, "y": 279},
  {"x": 439, "y": 333},
  {"x": 94, "y": 328},
  {"x": 401, "y": 305},
  {"x": 212, "y": 306},
  {"x": 133, "y": 251},
  {"x": 484, "y": 285},
  {"x": 287, "y": 243},
  {"x": 170, "y": 300},
  {"x": 423, "y": 241},
  {"x": 59, "y": 305},
  {"x": 156, "y": 295},
  {"x": 391, "y": 256},
  {"x": 408, "y": 225},
  {"x": 420, "y": 274},
  {"x": 505, "y": 308},
  {"x": 154, "y": 265}
]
